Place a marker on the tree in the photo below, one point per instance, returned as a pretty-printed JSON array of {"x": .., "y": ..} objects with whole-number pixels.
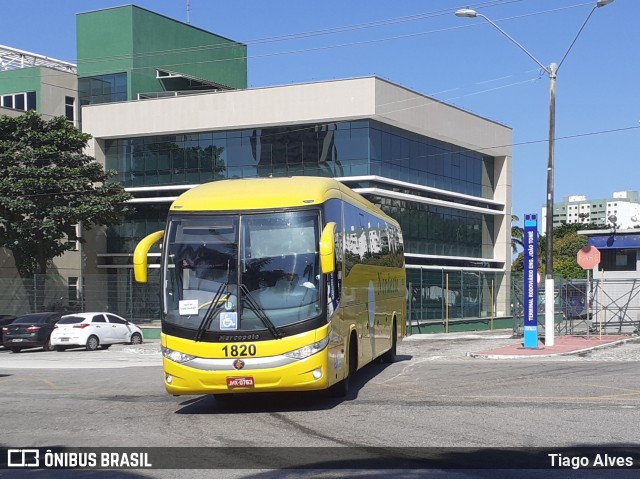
[
  {"x": 517, "y": 234},
  {"x": 48, "y": 185},
  {"x": 566, "y": 244}
]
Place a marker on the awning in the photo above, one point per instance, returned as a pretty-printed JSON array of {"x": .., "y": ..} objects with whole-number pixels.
[{"x": 182, "y": 81}]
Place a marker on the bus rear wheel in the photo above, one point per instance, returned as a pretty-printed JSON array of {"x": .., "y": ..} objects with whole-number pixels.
[{"x": 390, "y": 356}]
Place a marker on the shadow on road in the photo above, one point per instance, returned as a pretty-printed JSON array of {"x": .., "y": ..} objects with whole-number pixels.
[{"x": 285, "y": 401}]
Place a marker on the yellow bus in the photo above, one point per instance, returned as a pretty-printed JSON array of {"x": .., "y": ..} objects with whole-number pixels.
[{"x": 276, "y": 284}]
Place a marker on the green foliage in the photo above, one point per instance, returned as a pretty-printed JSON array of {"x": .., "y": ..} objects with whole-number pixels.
[
  {"x": 566, "y": 244},
  {"x": 517, "y": 234},
  {"x": 48, "y": 185},
  {"x": 518, "y": 264}
]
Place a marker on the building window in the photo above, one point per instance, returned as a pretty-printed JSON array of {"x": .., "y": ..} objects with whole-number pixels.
[
  {"x": 70, "y": 108},
  {"x": 102, "y": 89},
  {"x": 31, "y": 100},
  {"x": 20, "y": 101},
  {"x": 350, "y": 148},
  {"x": 618, "y": 259},
  {"x": 72, "y": 290},
  {"x": 73, "y": 240}
]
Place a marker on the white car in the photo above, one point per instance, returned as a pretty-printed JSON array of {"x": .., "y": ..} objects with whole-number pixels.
[{"x": 93, "y": 330}]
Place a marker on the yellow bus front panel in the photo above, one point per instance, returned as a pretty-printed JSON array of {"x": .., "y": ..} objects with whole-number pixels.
[
  {"x": 211, "y": 369},
  {"x": 304, "y": 375}
]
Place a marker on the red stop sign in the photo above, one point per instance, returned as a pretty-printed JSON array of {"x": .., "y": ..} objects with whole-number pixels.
[{"x": 588, "y": 257}]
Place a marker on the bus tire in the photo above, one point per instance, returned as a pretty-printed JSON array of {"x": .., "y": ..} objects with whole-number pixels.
[
  {"x": 390, "y": 356},
  {"x": 341, "y": 389}
]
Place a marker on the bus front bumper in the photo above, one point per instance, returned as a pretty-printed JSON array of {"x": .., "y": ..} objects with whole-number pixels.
[{"x": 302, "y": 375}]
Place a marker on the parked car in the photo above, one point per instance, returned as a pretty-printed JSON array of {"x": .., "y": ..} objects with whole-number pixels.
[
  {"x": 5, "y": 320},
  {"x": 93, "y": 330},
  {"x": 30, "y": 331}
]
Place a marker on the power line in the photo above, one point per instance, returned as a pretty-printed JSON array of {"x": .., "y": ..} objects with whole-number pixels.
[
  {"x": 350, "y": 28},
  {"x": 322, "y": 32}
]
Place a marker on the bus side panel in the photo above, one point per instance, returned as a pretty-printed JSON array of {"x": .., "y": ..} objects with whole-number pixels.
[{"x": 371, "y": 296}]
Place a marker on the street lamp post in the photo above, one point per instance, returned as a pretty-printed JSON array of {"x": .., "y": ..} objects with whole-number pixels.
[{"x": 552, "y": 73}]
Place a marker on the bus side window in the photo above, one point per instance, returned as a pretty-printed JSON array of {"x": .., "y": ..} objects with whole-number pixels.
[{"x": 333, "y": 213}]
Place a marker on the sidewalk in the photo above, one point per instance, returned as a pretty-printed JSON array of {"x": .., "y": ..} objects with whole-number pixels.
[
  {"x": 564, "y": 345},
  {"x": 499, "y": 344}
]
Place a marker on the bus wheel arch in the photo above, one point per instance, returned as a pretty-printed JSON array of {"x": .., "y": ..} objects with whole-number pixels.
[
  {"x": 390, "y": 355},
  {"x": 341, "y": 388}
]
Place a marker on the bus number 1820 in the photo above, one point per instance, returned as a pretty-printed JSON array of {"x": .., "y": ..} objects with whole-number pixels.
[{"x": 239, "y": 350}]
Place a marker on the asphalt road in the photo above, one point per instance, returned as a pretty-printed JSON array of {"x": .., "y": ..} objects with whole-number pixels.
[{"x": 434, "y": 396}]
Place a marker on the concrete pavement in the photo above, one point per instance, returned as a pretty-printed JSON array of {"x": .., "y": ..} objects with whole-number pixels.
[{"x": 499, "y": 344}]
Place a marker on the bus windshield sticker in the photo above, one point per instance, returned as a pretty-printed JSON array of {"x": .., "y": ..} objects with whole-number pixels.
[
  {"x": 188, "y": 307},
  {"x": 228, "y": 321}
]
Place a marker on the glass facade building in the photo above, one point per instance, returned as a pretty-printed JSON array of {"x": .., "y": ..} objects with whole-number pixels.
[
  {"x": 344, "y": 149},
  {"x": 350, "y": 148},
  {"x": 433, "y": 167}
]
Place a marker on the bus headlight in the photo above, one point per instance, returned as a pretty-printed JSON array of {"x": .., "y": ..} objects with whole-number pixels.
[
  {"x": 306, "y": 351},
  {"x": 176, "y": 356}
]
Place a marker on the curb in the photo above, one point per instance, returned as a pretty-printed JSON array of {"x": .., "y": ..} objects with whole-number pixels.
[{"x": 550, "y": 355}]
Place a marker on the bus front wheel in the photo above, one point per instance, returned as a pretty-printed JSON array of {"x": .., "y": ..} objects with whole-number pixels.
[{"x": 341, "y": 389}]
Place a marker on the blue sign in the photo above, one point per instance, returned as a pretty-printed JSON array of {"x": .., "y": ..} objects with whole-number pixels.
[
  {"x": 530, "y": 281},
  {"x": 228, "y": 321}
]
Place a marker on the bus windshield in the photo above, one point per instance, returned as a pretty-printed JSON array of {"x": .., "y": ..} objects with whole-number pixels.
[{"x": 244, "y": 272}]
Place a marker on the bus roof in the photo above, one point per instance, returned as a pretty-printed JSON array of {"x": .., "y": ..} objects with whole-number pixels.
[{"x": 266, "y": 193}]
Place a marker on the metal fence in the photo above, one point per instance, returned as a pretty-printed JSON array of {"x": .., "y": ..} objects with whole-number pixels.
[
  {"x": 119, "y": 294},
  {"x": 597, "y": 305},
  {"x": 433, "y": 297},
  {"x": 436, "y": 299}
]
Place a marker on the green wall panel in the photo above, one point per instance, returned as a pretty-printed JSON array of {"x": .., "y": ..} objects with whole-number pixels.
[
  {"x": 21, "y": 80},
  {"x": 137, "y": 41},
  {"x": 105, "y": 41},
  {"x": 17, "y": 81}
]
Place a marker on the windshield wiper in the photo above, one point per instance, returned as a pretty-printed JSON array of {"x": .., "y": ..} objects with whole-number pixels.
[
  {"x": 214, "y": 307},
  {"x": 259, "y": 312}
]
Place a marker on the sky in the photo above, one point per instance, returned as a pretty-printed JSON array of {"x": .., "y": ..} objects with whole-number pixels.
[{"x": 423, "y": 46}]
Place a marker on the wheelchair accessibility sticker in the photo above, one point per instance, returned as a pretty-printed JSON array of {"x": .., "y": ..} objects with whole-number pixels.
[{"x": 228, "y": 321}]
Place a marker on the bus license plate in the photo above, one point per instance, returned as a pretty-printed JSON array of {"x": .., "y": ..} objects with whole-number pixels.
[{"x": 240, "y": 382}]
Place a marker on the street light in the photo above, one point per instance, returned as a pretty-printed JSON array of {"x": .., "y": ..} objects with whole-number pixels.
[{"x": 552, "y": 72}]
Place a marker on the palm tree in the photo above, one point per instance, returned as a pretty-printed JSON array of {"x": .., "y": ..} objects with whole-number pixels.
[{"x": 517, "y": 234}]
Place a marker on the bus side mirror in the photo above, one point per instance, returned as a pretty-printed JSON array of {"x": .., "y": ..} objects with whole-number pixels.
[
  {"x": 327, "y": 249},
  {"x": 140, "y": 255}
]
